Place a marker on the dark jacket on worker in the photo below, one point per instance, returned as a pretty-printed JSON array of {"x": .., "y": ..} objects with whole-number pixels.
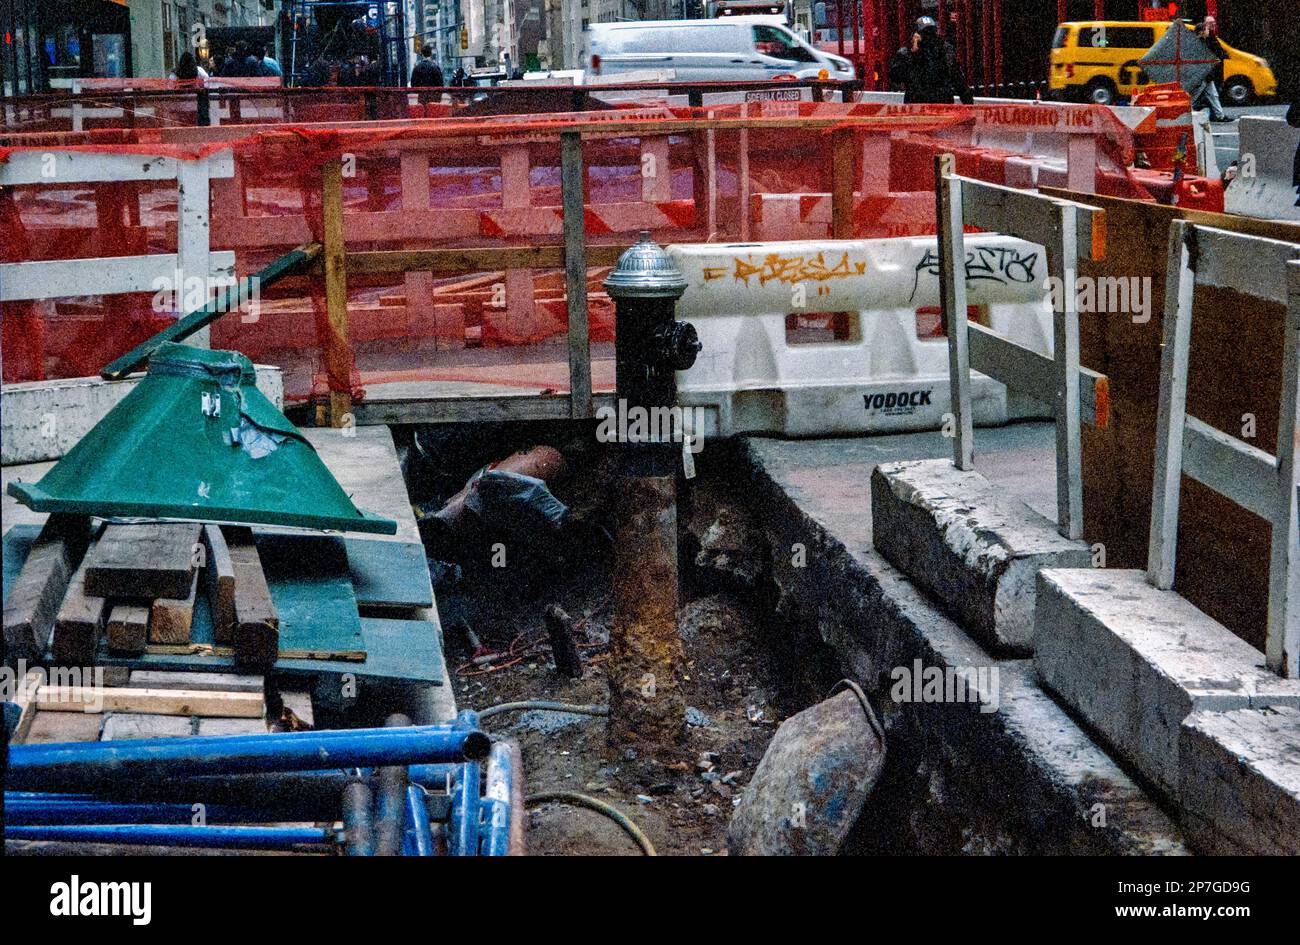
[
  {"x": 426, "y": 74},
  {"x": 930, "y": 74}
]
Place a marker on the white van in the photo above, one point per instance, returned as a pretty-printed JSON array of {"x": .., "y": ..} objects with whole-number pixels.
[{"x": 728, "y": 49}]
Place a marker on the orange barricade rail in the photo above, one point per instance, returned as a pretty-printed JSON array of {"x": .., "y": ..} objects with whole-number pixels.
[{"x": 482, "y": 195}]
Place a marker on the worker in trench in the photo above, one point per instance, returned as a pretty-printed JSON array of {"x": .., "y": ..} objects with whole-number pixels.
[{"x": 928, "y": 70}]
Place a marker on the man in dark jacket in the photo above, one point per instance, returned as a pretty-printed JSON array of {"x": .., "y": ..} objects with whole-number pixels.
[
  {"x": 928, "y": 69},
  {"x": 426, "y": 73}
]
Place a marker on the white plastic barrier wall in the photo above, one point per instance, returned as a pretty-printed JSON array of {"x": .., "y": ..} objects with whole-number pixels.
[
  {"x": 1265, "y": 190},
  {"x": 882, "y": 377}
]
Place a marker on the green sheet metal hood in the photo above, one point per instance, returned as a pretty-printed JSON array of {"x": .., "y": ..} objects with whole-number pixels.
[{"x": 196, "y": 439}]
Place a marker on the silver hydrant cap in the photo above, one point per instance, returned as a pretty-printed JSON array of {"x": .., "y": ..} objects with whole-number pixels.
[{"x": 645, "y": 271}]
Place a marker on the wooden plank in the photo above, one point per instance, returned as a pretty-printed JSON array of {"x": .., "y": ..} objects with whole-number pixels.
[
  {"x": 148, "y": 560},
  {"x": 243, "y": 705},
  {"x": 476, "y": 259},
  {"x": 1269, "y": 229},
  {"x": 575, "y": 274},
  {"x": 170, "y": 617},
  {"x": 389, "y": 573},
  {"x": 206, "y": 682},
  {"x": 311, "y": 587},
  {"x": 220, "y": 572},
  {"x": 25, "y": 699},
  {"x": 112, "y": 275},
  {"x": 128, "y": 628},
  {"x": 338, "y": 360},
  {"x": 257, "y": 622},
  {"x": 80, "y": 621},
  {"x": 32, "y": 601},
  {"x": 952, "y": 294},
  {"x": 373, "y": 411},
  {"x": 843, "y": 175},
  {"x": 52, "y": 727}
]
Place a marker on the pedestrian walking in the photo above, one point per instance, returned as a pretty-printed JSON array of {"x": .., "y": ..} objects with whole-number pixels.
[
  {"x": 928, "y": 69},
  {"x": 426, "y": 73},
  {"x": 1208, "y": 32}
]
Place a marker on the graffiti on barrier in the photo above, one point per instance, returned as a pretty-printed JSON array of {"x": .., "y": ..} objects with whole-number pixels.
[
  {"x": 789, "y": 269},
  {"x": 999, "y": 264}
]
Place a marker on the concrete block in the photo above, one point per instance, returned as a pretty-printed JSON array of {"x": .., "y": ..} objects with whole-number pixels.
[
  {"x": 1240, "y": 781},
  {"x": 127, "y": 725},
  {"x": 42, "y": 420},
  {"x": 232, "y": 727},
  {"x": 975, "y": 548},
  {"x": 1135, "y": 661}
]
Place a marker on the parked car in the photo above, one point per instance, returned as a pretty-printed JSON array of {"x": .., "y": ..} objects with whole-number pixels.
[
  {"x": 1097, "y": 61},
  {"x": 734, "y": 48}
]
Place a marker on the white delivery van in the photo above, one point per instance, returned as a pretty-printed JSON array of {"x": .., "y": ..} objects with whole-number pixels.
[{"x": 728, "y": 49}]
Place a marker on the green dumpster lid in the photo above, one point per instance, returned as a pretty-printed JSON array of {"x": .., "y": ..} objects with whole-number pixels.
[{"x": 197, "y": 440}]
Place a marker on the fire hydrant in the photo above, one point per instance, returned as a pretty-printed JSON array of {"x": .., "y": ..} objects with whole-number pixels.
[{"x": 647, "y": 705}]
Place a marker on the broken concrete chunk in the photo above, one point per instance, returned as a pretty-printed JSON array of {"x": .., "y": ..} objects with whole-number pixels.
[{"x": 972, "y": 546}]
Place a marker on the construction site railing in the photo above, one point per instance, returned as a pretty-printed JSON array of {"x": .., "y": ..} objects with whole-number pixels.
[
  {"x": 1066, "y": 231},
  {"x": 1263, "y": 483},
  {"x": 67, "y": 278},
  {"x": 197, "y": 104}
]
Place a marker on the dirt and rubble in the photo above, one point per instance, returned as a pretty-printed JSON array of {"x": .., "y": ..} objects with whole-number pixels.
[{"x": 739, "y": 681}]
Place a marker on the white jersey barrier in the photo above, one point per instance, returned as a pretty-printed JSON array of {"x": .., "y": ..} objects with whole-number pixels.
[
  {"x": 768, "y": 367},
  {"x": 1263, "y": 186}
]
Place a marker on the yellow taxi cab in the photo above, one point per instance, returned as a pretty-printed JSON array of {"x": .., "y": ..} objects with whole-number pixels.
[{"x": 1097, "y": 61}]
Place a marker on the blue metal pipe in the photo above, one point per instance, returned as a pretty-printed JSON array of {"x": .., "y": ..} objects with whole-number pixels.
[
  {"x": 418, "y": 839},
  {"x": 220, "y": 838},
  {"x": 33, "y": 810},
  {"x": 496, "y": 836},
  {"x": 390, "y": 800},
  {"x": 81, "y": 766},
  {"x": 465, "y": 812},
  {"x": 358, "y": 819},
  {"x": 502, "y": 796}
]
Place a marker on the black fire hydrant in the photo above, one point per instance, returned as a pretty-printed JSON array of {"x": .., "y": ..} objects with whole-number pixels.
[{"x": 647, "y": 705}]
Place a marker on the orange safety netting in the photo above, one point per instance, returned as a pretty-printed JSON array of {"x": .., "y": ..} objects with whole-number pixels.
[{"x": 723, "y": 173}]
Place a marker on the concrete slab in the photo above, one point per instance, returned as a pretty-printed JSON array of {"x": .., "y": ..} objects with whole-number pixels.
[
  {"x": 42, "y": 420},
  {"x": 1008, "y": 773},
  {"x": 127, "y": 725},
  {"x": 971, "y": 544},
  {"x": 1135, "y": 661},
  {"x": 1240, "y": 781}
]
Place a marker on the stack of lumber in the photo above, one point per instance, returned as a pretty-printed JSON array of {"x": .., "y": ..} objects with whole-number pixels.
[
  {"x": 127, "y": 704},
  {"x": 138, "y": 584}
]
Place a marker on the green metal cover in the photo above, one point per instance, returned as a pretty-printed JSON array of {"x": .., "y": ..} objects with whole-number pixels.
[{"x": 197, "y": 440}]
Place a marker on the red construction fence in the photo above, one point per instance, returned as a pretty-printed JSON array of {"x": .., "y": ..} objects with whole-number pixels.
[{"x": 744, "y": 172}]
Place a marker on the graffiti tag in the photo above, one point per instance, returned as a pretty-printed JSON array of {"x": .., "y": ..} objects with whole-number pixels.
[
  {"x": 788, "y": 269},
  {"x": 999, "y": 264}
]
